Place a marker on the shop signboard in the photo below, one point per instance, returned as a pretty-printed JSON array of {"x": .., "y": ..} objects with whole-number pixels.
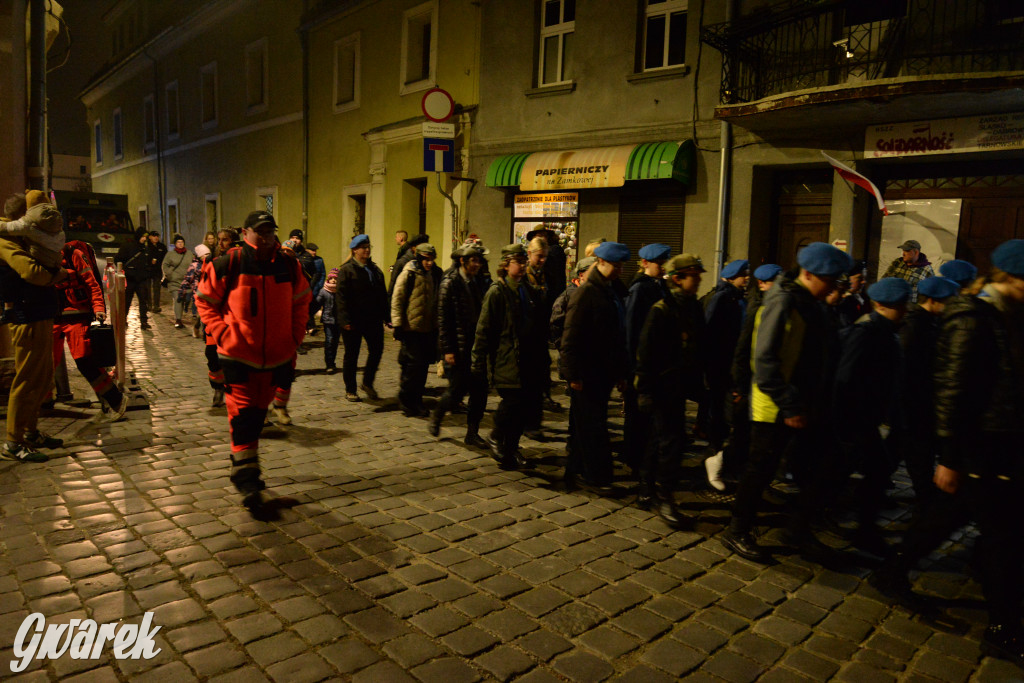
[
  {"x": 945, "y": 136},
  {"x": 574, "y": 169},
  {"x": 556, "y": 211}
]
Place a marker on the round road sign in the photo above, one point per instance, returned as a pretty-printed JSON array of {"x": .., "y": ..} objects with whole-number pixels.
[{"x": 437, "y": 104}]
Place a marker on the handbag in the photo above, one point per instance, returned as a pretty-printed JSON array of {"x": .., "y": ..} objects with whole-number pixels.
[{"x": 101, "y": 343}]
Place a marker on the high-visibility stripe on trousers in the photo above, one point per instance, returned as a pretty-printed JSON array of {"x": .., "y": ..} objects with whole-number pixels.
[{"x": 247, "y": 409}]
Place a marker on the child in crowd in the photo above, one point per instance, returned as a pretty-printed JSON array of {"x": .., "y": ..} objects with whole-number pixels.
[
  {"x": 326, "y": 302},
  {"x": 43, "y": 231}
]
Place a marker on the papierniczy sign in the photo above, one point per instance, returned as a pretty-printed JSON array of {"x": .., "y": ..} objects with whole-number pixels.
[
  {"x": 945, "y": 136},
  {"x": 82, "y": 639},
  {"x": 576, "y": 168}
]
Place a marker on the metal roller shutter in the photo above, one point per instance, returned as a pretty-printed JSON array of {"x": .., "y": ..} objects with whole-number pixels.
[{"x": 647, "y": 216}]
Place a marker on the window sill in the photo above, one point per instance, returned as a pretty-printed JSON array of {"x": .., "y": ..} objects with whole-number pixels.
[
  {"x": 549, "y": 90},
  {"x": 416, "y": 86},
  {"x": 346, "y": 106},
  {"x": 659, "y": 74},
  {"x": 256, "y": 109}
]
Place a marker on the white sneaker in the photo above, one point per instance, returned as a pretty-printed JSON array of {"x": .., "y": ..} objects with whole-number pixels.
[{"x": 713, "y": 465}]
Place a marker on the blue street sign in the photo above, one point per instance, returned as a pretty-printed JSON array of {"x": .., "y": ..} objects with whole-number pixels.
[{"x": 438, "y": 155}]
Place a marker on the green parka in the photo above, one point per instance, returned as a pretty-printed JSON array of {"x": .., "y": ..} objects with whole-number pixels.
[{"x": 510, "y": 334}]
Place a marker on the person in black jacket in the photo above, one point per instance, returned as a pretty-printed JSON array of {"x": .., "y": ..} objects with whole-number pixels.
[
  {"x": 854, "y": 302},
  {"x": 460, "y": 301},
  {"x": 594, "y": 360},
  {"x": 670, "y": 367},
  {"x": 724, "y": 315},
  {"x": 135, "y": 259},
  {"x": 157, "y": 252},
  {"x": 867, "y": 395},
  {"x": 364, "y": 309}
]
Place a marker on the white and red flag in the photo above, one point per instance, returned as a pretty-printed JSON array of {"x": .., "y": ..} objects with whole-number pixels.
[{"x": 849, "y": 174}]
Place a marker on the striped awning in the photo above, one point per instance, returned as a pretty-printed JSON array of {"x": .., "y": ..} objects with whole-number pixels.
[{"x": 595, "y": 167}]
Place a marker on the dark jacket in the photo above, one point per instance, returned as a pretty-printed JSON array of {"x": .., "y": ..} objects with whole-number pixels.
[
  {"x": 327, "y": 302},
  {"x": 868, "y": 378},
  {"x": 558, "y": 309},
  {"x": 851, "y": 307},
  {"x": 361, "y": 297},
  {"x": 918, "y": 336},
  {"x": 135, "y": 258},
  {"x": 593, "y": 347},
  {"x": 794, "y": 355},
  {"x": 321, "y": 275},
  {"x": 554, "y": 271},
  {"x": 724, "y": 315},
  {"x": 979, "y": 373},
  {"x": 27, "y": 293},
  {"x": 510, "y": 339},
  {"x": 157, "y": 252},
  {"x": 672, "y": 349},
  {"x": 644, "y": 292},
  {"x": 459, "y": 302}
]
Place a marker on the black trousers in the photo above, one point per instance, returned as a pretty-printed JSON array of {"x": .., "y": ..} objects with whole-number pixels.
[
  {"x": 510, "y": 419},
  {"x": 419, "y": 350},
  {"x": 865, "y": 452},
  {"x": 140, "y": 289},
  {"x": 353, "y": 339},
  {"x": 666, "y": 446},
  {"x": 810, "y": 452},
  {"x": 462, "y": 381},
  {"x": 917, "y": 448},
  {"x": 591, "y": 453},
  {"x": 637, "y": 427},
  {"x": 738, "y": 448}
]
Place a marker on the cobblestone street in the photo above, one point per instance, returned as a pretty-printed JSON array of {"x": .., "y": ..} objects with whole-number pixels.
[{"x": 415, "y": 558}]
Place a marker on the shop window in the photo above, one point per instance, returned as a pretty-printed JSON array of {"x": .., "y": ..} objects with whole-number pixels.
[
  {"x": 148, "y": 123},
  {"x": 256, "y": 75},
  {"x": 171, "y": 112},
  {"x": 558, "y": 24},
  {"x": 208, "y": 95},
  {"x": 346, "y": 73},
  {"x": 419, "y": 47},
  {"x": 118, "y": 135},
  {"x": 97, "y": 135},
  {"x": 664, "y": 34}
]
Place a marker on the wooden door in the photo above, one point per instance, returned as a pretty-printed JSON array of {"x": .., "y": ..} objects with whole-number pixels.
[
  {"x": 985, "y": 223},
  {"x": 803, "y": 218}
]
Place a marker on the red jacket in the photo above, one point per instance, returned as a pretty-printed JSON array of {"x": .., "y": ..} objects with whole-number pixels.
[
  {"x": 81, "y": 294},
  {"x": 254, "y": 310}
]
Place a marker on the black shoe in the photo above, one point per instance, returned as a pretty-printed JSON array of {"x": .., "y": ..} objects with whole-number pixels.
[
  {"x": 553, "y": 406},
  {"x": 434, "y": 423},
  {"x": 145, "y": 326},
  {"x": 495, "y": 447},
  {"x": 536, "y": 435},
  {"x": 645, "y": 501},
  {"x": 1003, "y": 642},
  {"x": 668, "y": 511},
  {"x": 744, "y": 545},
  {"x": 259, "y": 509},
  {"x": 475, "y": 441}
]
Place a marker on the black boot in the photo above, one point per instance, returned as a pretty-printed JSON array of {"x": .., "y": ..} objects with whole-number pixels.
[
  {"x": 664, "y": 505},
  {"x": 473, "y": 439},
  {"x": 434, "y": 423}
]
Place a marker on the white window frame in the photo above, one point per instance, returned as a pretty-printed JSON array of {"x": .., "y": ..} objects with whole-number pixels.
[
  {"x": 144, "y": 210},
  {"x": 257, "y": 46},
  {"x": 97, "y": 137},
  {"x": 208, "y": 70},
  {"x": 667, "y": 9},
  {"x": 348, "y": 221},
  {"x": 431, "y": 80},
  {"x": 267, "y": 191},
  {"x": 117, "y": 129},
  {"x": 213, "y": 197},
  {"x": 354, "y": 40},
  {"x": 174, "y": 229},
  {"x": 169, "y": 88},
  {"x": 559, "y": 30},
  {"x": 149, "y": 131}
]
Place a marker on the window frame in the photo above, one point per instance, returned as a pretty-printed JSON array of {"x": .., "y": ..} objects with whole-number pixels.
[
  {"x": 356, "y": 40},
  {"x": 117, "y": 130},
  {"x": 218, "y": 216},
  {"x": 176, "y": 133},
  {"x": 666, "y": 9},
  {"x": 404, "y": 87},
  {"x": 149, "y": 131},
  {"x": 261, "y": 204},
  {"x": 204, "y": 71},
  {"x": 143, "y": 213},
  {"x": 260, "y": 45},
  {"x": 174, "y": 229},
  {"x": 97, "y": 136},
  {"x": 560, "y": 30}
]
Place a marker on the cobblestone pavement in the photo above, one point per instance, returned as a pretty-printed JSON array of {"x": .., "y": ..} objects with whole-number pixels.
[{"x": 415, "y": 558}]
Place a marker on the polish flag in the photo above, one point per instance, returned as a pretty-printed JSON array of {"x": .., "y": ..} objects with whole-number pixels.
[{"x": 849, "y": 174}]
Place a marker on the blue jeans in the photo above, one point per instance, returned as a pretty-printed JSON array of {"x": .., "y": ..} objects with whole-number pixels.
[{"x": 332, "y": 335}]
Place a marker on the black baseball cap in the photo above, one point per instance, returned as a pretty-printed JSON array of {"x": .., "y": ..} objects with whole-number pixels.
[{"x": 259, "y": 218}]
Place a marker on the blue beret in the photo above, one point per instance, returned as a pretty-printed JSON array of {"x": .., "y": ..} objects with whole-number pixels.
[
  {"x": 890, "y": 290},
  {"x": 735, "y": 268},
  {"x": 767, "y": 272},
  {"x": 655, "y": 252},
  {"x": 1009, "y": 257},
  {"x": 613, "y": 252},
  {"x": 960, "y": 271},
  {"x": 824, "y": 259},
  {"x": 359, "y": 240},
  {"x": 938, "y": 287}
]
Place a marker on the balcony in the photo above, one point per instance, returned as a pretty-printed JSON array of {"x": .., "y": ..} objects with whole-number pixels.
[{"x": 883, "y": 55}]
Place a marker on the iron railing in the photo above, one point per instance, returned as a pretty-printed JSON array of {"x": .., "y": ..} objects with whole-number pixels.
[{"x": 805, "y": 44}]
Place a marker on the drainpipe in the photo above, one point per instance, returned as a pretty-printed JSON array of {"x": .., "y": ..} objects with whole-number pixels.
[
  {"x": 724, "y": 178},
  {"x": 304, "y": 40},
  {"x": 36, "y": 157},
  {"x": 161, "y": 177}
]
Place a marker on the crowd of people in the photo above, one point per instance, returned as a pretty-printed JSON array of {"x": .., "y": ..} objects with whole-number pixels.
[{"x": 807, "y": 374}]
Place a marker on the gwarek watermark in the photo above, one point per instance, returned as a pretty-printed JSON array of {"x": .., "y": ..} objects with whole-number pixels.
[{"x": 82, "y": 639}]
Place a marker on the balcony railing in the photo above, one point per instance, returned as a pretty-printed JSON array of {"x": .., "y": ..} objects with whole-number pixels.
[{"x": 804, "y": 44}]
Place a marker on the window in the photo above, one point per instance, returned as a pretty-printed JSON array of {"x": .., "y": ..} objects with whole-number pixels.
[
  {"x": 558, "y": 22},
  {"x": 266, "y": 199},
  {"x": 213, "y": 212},
  {"x": 419, "y": 48},
  {"x": 171, "y": 110},
  {"x": 256, "y": 74},
  {"x": 414, "y": 206},
  {"x": 118, "y": 135},
  {"x": 346, "y": 73},
  {"x": 208, "y": 95},
  {"x": 172, "y": 215},
  {"x": 144, "y": 217},
  {"x": 664, "y": 34},
  {"x": 97, "y": 135},
  {"x": 148, "y": 123}
]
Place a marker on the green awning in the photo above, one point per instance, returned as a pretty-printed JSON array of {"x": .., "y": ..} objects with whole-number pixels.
[{"x": 647, "y": 161}]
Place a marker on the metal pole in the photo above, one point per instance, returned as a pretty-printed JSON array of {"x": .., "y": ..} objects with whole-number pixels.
[{"x": 37, "y": 96}]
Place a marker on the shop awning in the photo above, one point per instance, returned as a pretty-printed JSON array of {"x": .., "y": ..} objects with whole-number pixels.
[{"x": 594, "y": 166}]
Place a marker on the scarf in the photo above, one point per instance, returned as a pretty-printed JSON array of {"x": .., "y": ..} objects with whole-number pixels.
[
  {"x": 330, "y": 286},
  {"x": 181, "y": 250}
]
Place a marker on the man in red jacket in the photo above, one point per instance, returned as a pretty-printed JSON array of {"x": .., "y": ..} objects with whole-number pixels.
[{"x": 254, "y": 301}]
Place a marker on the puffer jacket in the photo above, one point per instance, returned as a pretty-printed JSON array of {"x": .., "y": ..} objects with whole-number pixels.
[
  {"x": 254, "y": 310},
  {"x": 414, "y": 308},
  {"x": 460, "y": 301},
  {"x": 593, "y": 349},
  {"x": 978, "y": 380},
  {"x": 510, "y": 335},
  {"x": 672, "y": 349},
  {"x": 175, "y": 267},
  {"x": 362, "y": 298}
]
